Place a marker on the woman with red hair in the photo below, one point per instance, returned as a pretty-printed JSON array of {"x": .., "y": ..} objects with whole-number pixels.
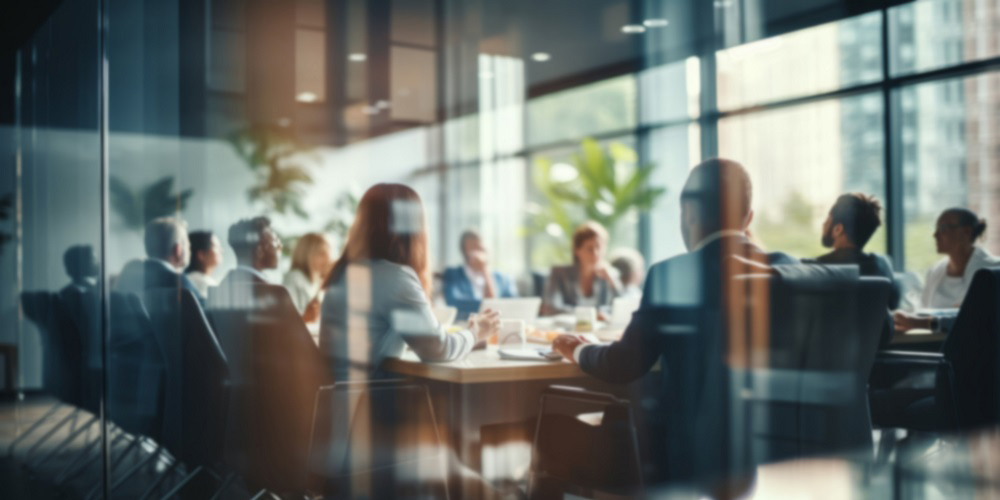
[{"x": 378, "y": 293}]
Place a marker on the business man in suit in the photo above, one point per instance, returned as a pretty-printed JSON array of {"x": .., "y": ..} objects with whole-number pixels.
[
  {"x": 257, "y": 249},
  {"x": 683, "y": 310},
  {"x": 467, "y": 285},
  {"x": 168, "y": 252}
]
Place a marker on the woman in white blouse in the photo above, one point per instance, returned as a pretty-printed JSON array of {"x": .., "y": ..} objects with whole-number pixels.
[
  {"x": 378, "y": 295},
  {"x": 957, "y": 233},
  {"x": 206, "y": 256},
  {"x": 312, "y": 260}
]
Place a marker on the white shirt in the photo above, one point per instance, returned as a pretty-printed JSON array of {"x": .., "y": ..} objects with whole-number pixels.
[
  {"x": 254, "y": 272},
  {"x": 942, "y": 291},
  {"x": 478, "y": 281},
  {"x": 201, "y": 282},
  {"x": 301, "y": 288}
]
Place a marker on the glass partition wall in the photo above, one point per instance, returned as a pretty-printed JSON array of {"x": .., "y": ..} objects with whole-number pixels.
[{"x": 218, "y": 138}]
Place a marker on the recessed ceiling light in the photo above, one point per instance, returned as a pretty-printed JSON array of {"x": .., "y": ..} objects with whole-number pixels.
[
  {"x": 633, "y": 29},
  {"x": 357, "y": 57},
  {"x": 306, "y": 97},
  {"x": 722, "y": 4},
  {"x": 655, "y": 23},
  {"x": 541, "y": 56}
]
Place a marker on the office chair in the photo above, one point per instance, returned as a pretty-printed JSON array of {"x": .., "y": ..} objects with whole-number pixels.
[
  {"x": 963, "y": 396},
  {"x": 275, "y": 369},
  {"x": 377, "y": 439},
  {"x": 585, "y": 444}
]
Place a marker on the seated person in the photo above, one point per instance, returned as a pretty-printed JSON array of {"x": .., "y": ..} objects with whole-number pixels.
[
  {"x": 81, "y": 266},
  {"x": 715, "y": 213},
  {"x": 378, "y": 295},
  {"x": 466, "y": 286},
  {"x": 168, "y": 251},
  {"x": 589, "y": 281},
  {"x": 631, "y": 269},
  {"x": 852, "y": 221},
  {"x": 956, "y": 236},
  {"x": 312, "y": 260},
  {"x": 257, "y": 248},
  {"x": 206, "y": 256}
]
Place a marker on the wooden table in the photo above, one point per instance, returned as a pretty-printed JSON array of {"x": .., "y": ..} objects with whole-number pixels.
[{"x": 484, "y": 366}]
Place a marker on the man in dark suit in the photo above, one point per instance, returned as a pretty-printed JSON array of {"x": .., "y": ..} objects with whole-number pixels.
[
  {"x": 168, "y": 252},
  {"x": 686, "y": 307},
  {"x": 466, "y": 286},
  {"x": 257, "y": 248}
]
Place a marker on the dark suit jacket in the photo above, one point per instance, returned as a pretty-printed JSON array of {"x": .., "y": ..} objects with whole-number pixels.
[
  {"x": 459, "y": 293},
  {"x": 869, "y": 264},
  {"x": 683, "y": 283},
  {"x": 139, "y": 276}
]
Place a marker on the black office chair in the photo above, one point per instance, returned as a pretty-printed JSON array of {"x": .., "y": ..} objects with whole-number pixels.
[
  {"x": 963, "y": 396},
  {"x": 378, "y": 439},
  {"x": 806, "y": 392},
  {"x": 275, "y": 369},
  {"x": 195, "y": 387},
  {"x": 585, "y": 444}
]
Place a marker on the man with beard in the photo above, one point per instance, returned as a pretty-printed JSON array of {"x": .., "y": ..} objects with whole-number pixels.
[{"x": 852, "y": 221}]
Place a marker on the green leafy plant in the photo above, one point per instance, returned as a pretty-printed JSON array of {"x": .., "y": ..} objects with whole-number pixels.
[
  {"x": 135, "y": 208},
  {"x": 601, "y": 184},
  {"x": 273, "y": 154}
]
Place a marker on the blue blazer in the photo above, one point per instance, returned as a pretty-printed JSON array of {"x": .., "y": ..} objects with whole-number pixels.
[{"x": 458, "y": 291}]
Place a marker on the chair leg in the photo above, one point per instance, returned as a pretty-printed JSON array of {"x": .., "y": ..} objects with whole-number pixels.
[
  {"x": 156, "y": 484},
  {"x": 38, "y": 423},
  {"x": 224, "y": 486},
  {"x": 185, "y": 480}
]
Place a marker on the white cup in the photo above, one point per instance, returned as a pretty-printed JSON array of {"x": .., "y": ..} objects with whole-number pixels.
[{"x": 512, "y": 333}]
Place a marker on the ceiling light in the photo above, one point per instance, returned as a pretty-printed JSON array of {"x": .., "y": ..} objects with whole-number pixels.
[
  {"x": 541, "y": 56},
  {"x": 722, "y": 4},
  {"x": 357, "y": 57},
  {"x": 656, "y": 23},
  {"x": 633, "y": 29},
  {"x": 306, "y": 97}
]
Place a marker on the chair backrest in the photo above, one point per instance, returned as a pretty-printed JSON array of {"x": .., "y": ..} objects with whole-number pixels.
[
  {"x": 378, "y": 439},
  {"x": 275, "y": 369},
  {"x": 585, "y": 444},
  {"x": 62, "y": 360},
  {"x": 196, "y": 387},
  {"x": 973, "y": 351},
  {"x": 135, "y": 368},
  {"x": 806, "y": 394}
]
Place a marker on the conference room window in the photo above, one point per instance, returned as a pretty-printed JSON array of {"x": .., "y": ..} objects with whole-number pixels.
[
  {"x": 811, "y": 61},
  {"x": 670, "y": 152},
  {"x": 602, "y": 107},
  {"x": 931, "y": 34},
  {"x": 801, "y": 158},
  {"x": 949, "y": 158}
]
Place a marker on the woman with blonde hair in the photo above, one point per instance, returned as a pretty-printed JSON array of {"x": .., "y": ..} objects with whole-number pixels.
[
  {"x": 378, "y": 294},
  {"x": 312, "y": 260}
]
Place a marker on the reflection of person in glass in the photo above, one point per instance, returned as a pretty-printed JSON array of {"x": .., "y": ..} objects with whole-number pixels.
[
  {"x": 631, "y": 267},
  {"x": 257, "y": 248},
  {"x": 467, "y": 285},
  {"x": 589, "y": 281},
  {"x": 956, "y": 236},
  {"x": 81, "y": 266},
  {"x": 312, "y": 260},
  {"x": 378, "y": 294},
  {"x": 206, "y": 256}
]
